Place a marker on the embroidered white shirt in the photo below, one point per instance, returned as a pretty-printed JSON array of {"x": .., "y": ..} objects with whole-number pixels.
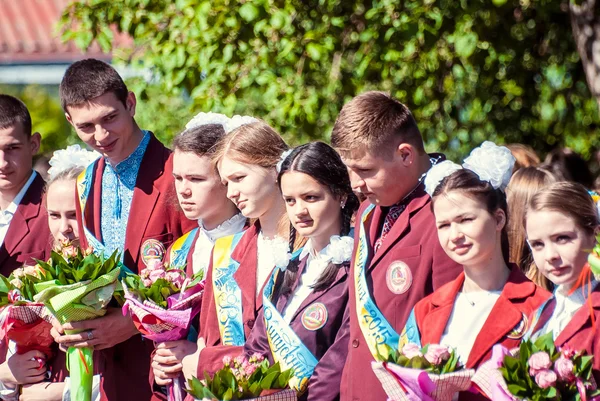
[
  {"x": 207, "y": 238},
  {"x": 7, "y": 214},
  {"x": 469, "y": 314},
  {"x": 315, "y": 265},
  {"x": 566, "y": 307}
]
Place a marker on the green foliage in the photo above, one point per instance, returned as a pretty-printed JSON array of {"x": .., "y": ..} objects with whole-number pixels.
[
  {"x": 470, "y": 70},
  {"x": 515, "y": 371},
  {"x": 389, "y": 354},
  {"x": 231, "y": 383}
]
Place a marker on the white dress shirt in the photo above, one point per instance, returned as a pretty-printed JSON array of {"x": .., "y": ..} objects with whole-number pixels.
[
  {"x": 7, "y": 214},
  {"x": 207, "y": 238}
]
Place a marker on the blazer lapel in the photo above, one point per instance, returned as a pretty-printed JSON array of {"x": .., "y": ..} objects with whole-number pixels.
[
  {"x": 401, "y": 225},
  {"x": 28, "y": 209},
  {"x": 434, "y": 323},
  {"x": 145, "y": 196},
  {"x": 94, "y": 214},
  {"x": 504, "y": 317},
  {"x": 581, "y": 319},
  {"x": 246, "y": 254},
  {"x": 315, "y": 295}
]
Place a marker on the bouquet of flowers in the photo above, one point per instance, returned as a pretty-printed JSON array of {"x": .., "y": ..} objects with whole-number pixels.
[
  {"x": 163, "y": 303},
  {"x": 244, "y": 379},
  {"x": 24, "y": 322},
  {"x": 537, "y": 371},
  {"x": 431, "y": 373},
  {"x": 75, "y": 285}
]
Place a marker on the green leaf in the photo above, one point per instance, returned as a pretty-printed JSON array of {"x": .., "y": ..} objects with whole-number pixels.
[
  {"x": 248, "y": 12},
  {"x": 466, "y": 44}
]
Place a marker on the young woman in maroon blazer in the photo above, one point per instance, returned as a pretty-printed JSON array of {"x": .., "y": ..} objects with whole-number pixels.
[
  {"x": 561, "y": 223},
  {"x": 246, "y": 158},
  {"x": 491, "y": 301}
]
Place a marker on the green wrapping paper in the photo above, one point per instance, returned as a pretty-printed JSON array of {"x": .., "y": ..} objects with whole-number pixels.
[{"x": 76, "y": 302}]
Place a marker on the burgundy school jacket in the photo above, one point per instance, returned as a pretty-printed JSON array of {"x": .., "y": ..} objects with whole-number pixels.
[
  {"x": 154, "y": 211},
  {"x": 579, "y": 333},
  {"x": 507, "y": 323},
  {"x": 211, "y": 357},
  {"x": 28, "y": 235},
  {"x": 413, "y": 242},
  {"x": 154, "y": 214}
]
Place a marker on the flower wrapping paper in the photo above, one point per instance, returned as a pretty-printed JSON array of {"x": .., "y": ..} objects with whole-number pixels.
[
  {"x": 28, "y": 326},
  {"x": 405, "y": 384}
]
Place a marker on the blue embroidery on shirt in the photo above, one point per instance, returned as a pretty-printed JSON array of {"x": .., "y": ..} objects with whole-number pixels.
[{"x": 118, "y": 184}]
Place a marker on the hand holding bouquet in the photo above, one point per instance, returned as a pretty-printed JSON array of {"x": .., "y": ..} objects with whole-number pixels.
[
  {"x": 429, "y": 373},
  {"x": 163, "y": 303},
  {"x": 538, "y": 371},
  {"x": 244, "y": 379}
]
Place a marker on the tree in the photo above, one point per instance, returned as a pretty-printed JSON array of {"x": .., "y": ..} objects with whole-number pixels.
[{"x": 470, "y": 70}]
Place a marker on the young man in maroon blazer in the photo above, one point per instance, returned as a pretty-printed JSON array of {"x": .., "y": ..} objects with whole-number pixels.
[
  {"x": 397, "y": 258},
  {"x": 125, "y": 202},
  {"x": 24, "y": 232}
]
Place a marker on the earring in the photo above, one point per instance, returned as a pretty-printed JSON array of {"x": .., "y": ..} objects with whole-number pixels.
[{"x": 343, "y": 204}]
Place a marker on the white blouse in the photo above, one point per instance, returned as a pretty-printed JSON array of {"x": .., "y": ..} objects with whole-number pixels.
[
  {"x": 469, "y": 314},
  {"x": 566, "y": 307},
  {"x": 206, "y": 240}
]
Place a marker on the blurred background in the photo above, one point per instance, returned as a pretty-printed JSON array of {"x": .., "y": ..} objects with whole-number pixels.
[{"x": 510, "y": 71}]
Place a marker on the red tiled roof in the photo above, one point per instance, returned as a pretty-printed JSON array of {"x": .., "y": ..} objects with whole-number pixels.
[{"x": 28, "y": 34}]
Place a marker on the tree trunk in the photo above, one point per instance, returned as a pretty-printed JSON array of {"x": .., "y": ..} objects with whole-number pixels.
[{"x": 585, "y": 21}]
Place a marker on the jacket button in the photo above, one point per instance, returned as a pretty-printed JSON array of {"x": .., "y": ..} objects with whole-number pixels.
[
  {"x": 355, "y": 343},
  {"x": 250, "y": 323}
]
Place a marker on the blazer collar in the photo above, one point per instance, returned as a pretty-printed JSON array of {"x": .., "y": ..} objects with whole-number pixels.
[
  {"x": 582, "y": 318},
  {"x": 28, "y": 209},
  {"x": 419, "y": 199}
]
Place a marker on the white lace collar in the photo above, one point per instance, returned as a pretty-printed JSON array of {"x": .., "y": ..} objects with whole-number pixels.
[{"x": 233, "y": 225}]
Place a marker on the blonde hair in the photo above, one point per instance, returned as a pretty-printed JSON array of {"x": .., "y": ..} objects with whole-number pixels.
[
  {"x": 525, "y": 155},
  {"x": 256, "y": 143},
  {"x": 523, "y": 185},
  {"x": 373, "y": 121}
]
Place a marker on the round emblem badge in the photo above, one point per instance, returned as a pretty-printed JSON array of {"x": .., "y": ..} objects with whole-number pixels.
[
  {"x": 398, "y": 277},
  {"x": 520, "y": 329},
  {"x": 152, "y": 249},
  {"x": 314, "y": 316}
]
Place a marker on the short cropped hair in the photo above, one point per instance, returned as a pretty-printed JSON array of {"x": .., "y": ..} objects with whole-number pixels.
[
  {"x": 13, "y": 111},
  {"x": 374, "y": 121},
  {"x": 88, "y": 79}
]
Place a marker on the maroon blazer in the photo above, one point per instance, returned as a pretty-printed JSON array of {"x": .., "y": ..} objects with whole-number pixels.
[
  {"x": 28, "y": 235},
  {"x": 154, "y": 215},
  {"x": 412, "y": 241},
  {"x": 579, "y": 334},
  {"x": 154, "y": 211},
  {"x": 507, "y": 323},
  {"x": 329, "y": 344},
  {"x": 211, "y": 357}
]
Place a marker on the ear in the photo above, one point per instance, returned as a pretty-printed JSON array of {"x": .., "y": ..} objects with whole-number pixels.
[
  {"x": 405, "y": 153},
  {"x": 69, "y": 119},
  {"x": 500, "y": 219},
  {"x": 35, "y": 141},
  {"x": 130, "y": 103}
]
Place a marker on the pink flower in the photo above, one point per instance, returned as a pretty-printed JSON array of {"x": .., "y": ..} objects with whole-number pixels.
[
  {"x": 437, "y": 354},
  {"x": 175, "y": 277},
  {"x": 256, "y": 357},
  {"x": 539, "y": 361},
  {"x": 567, "y": 351},
  {"x": 156, "y": 274},
  {"x": 31, "y": 270},
  {"x": 250, "y": 369},
  {"x": 411, "y": 350},
  {"x": 144, "y": 274},
  {"x": 227, "y": 360},
  {"x": 239, "y": 360},
  {"x": 16, "y": 283},
  {"x": 564, "y": 368},
  {"x": 155, "y": 264},
  {"x": 88, "y": 251},
  {"x": 147, "y": 282},
  {"x": 545, "y": 378},
  {"x": 69, "y": 252}
]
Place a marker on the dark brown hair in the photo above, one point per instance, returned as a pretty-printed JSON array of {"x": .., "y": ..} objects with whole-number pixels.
[
  {"x": 88, "y": 79},
  {"x": 321, "y": 162},
  {"x": 201, "y": 140},
  {"x": 375, "y": 121},
  {"x": 12, "y": 112},
  {"x": 567, "y": 165},
  {"x": 467, "y": 182}
]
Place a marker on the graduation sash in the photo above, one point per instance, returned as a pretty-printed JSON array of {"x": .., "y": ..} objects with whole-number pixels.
[
  {"x": 85, "y": 182},
  {"x": 287, "y": 348},
  {"x": 181, "y": 248},
  {"x": 410, "y": 333},
  {"x": 228, "y": 295},
  {"x": 373, "y": 325}
]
